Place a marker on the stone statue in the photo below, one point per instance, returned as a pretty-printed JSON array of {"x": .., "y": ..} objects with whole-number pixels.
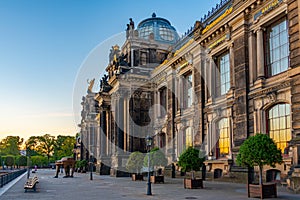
[
  {"x": 91, "y": 85},
  {"x": 122, "y": 61},
  {"x": 104, "y": 82},
  {"x": 114, "y": 53},
  {"x": 127, "y": 30},
  {"x": 131, "y": 23}
]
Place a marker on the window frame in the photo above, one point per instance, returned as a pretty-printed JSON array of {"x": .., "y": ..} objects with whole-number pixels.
[
  {"x": 279, "y": 117},
  {"x": 188, "y": 90},
  {"x": 218, "y": 130},
  {"x": 163, "y": 90},
  {"x": 267, "y": 55},
  {"x": 219, "y": 73}
]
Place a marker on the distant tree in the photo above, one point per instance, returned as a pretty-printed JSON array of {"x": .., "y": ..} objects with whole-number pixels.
[
  {"x": 39, "y": 161},
  {"x": 46, "y": 145},
  {"x": 190, "y": 160},
  {"x": 259, "y": 150},
  {"x": 21, "y": 161},
  {"x": 41, "y": 145},
  {"x": 9, "y": 160},
  {"x": 31, "y": 146},
  {"x": 64, "y": 146},
  {"x": 11, "y": 145}
]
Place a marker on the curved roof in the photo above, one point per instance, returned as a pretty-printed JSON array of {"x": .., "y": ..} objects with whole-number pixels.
[{"x": 159, "y": 28}]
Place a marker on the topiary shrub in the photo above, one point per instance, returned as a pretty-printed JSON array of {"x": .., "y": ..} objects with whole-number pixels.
[
  {"x": 259, "y": 150},
  {"x": 157, "y": 158},
  {"x": 189, "y": 160},
  {"x": 135, "y": 162}
]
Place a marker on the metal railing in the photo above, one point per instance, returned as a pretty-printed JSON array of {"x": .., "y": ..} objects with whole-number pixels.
[{"x": 9, "y": 176}]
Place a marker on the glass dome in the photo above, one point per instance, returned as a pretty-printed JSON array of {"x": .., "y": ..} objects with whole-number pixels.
[{"x": 161, "y": 29}]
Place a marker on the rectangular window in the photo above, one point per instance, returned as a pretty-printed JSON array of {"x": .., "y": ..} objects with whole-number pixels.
[
  {"x": 277, "y": 48},
  {"x": 188, "y": 90},
  {"x": 163, "y": 101},
  {"x": 222, "y": 74}
]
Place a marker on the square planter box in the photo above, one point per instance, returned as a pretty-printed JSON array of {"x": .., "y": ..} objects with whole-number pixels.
[
  {"x": 137, "y": 177},
  {"x": 193, "y": 183},
  {"x": 157, "y": 179},
  {"x": 266, "y": 190}
]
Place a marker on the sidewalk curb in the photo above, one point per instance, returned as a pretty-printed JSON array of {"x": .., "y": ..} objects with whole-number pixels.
[{"x": 10, "y": 184}]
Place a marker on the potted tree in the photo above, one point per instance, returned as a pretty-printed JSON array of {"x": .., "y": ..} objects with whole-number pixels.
[
  {"x": 260, "y": 150},
  {"x": 83, "y": 166},
  {"x": 157, "y": 160},
  {"x": 134, "y": 165},
  {"x": 189, "y": 160}
]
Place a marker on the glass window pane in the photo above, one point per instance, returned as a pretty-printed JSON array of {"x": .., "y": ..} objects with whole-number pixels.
[
  {"x": 282, "y": 123},
  {"x": 283, "y": 38},
  {"x": 288, "y": 122},
  {"x": 282, "y": 26},
  {"x": 275, "y": 111},
  {"x": 275, "y": 41}
]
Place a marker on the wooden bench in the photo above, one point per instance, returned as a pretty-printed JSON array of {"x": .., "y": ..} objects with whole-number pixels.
[{"x": 31, "y": 183}]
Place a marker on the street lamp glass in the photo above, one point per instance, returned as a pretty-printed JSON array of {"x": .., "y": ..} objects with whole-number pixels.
[{"x": 148, "y": 141}]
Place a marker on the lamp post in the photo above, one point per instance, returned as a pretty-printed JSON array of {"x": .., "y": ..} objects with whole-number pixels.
[
  {"x": 28, "y": 163},
  {"x": 149, "y": 143},
  {"x": 91, "y": 167}
]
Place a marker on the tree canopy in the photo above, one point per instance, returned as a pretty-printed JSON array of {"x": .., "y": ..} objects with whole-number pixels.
[
  {"x": 190, "y": 160},
  {"x": 259, "y": 150},
  {"x": 49, "y": 146},
  {"x": 135, "y": 162},
  {"x": 11, "y": 145},
  {"x": 157, "y": 158},
  {"x": 64, "y": 146},
  {"x": 41, "y": 145}
]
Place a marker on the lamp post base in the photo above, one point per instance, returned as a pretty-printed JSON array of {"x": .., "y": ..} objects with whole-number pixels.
[{"x": 149, "y": 188}]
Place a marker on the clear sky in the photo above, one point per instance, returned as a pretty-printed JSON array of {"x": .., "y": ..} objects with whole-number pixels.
[{"x": 44, "y": 43}]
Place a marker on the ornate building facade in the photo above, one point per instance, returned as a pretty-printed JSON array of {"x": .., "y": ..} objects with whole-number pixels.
[{"x": 235, "y": 73}]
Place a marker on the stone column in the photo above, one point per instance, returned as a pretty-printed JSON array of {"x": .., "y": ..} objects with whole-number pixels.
[
  {"x": 260, "y": 54},
  {"x": 120, "y": 125},
  {"x": 108, "y": 133},
  {"x": 252, "y": 58},
  {"x": 204, "y": 74},
  {"x": 177, "y": 96},
  {"x": 231, "y": 60},
  {"x": 126, "y": 123},
  {"x": 209, "y": 140},
  {"x": 209, "y": 77},
  {"x": 103, "y": 133},
  {"x": 132, "y": 56},
  {"x": 180, "y": 93},
  {"x": 255, "y": 121},
  {"x": 159, "y": 104},
  {"x": 98, "y": 141}
]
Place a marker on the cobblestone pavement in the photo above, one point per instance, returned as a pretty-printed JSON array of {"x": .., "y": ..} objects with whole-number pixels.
[{"x": 106, "y": 187}]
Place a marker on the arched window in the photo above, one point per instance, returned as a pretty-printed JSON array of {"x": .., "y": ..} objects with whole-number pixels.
[
  {"x": 279, "y": 125},
  {"x": 223, "y": 132},
  {"x": 187, "y": 138}
]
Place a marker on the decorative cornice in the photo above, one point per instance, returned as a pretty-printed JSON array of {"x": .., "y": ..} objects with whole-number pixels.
[{"x": 270, "y": 90}]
